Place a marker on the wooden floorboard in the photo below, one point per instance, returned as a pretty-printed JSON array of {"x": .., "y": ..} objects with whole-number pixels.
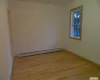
[{"x": 53, "y": 66}]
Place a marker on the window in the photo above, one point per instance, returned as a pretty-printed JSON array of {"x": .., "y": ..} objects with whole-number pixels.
[{"x": 76, "y": 23}]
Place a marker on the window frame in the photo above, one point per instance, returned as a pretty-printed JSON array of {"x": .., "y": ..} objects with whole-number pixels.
[{"x": 70, "y": 29}]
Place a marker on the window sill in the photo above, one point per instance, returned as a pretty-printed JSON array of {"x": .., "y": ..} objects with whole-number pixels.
[{"x": 77, "y": 38}]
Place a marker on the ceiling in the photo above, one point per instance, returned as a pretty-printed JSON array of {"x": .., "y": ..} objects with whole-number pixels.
[{"x": 55, "y": 2}]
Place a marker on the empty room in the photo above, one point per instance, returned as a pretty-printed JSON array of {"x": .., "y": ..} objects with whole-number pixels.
[{"x": 50, "y": 40}]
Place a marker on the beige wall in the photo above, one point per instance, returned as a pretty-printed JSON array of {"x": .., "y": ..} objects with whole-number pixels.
[
  {"x": 43, "y": 26},
  {"x": 36, "y": 26},
  {"x": 5, "y": 53},
  {"x": 89, "y": 46}
]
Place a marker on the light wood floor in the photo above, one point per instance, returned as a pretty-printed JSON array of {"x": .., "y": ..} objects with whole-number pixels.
[{"x": 53, "y": 66}]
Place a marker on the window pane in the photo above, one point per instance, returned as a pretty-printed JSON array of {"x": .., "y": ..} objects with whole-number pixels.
[{"x": 76, "y": 23}]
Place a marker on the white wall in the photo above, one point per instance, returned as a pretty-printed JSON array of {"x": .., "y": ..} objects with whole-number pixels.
[
  {"x": 5, "y": 53},
  {"x": 89, "y": 46},
  {"x": 36, "y": 26}
]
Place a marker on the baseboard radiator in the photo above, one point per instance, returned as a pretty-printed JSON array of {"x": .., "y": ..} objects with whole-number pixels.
[{"x": 40, "y": 52}]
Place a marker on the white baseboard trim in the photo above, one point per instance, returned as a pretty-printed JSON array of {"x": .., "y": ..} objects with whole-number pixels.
[{"x": 39, "y": 52}]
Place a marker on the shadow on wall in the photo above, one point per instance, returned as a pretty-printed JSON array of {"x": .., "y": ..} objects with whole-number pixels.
[
  {"x": 98, "y": 1},
  {"x": 54, "y": 2},
  {"x": 70, "y": 1}
]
